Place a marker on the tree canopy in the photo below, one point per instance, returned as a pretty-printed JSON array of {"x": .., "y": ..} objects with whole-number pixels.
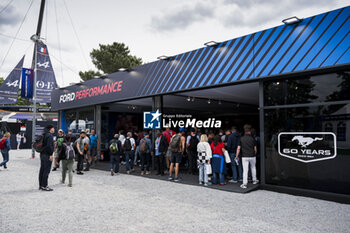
[
  {"x": 86, "y": 75},
  {"x": 109, "y": 59}
]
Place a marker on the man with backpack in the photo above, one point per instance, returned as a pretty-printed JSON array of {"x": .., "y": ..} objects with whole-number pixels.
[
  {"x": 46, "y": 157},
  {"x": 177, "y": 148},
  {"x": 82, "y": 146},
  {"x": 67, "y": 156},
  {"x": 115, "y": 147},
  {"x": 145, "y": 150},
  {"x": 129, "y": 146},
  {"x": 192, "y": 142}
]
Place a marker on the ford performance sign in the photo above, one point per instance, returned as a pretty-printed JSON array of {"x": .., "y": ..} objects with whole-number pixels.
[{"x": 307, "y": 147}]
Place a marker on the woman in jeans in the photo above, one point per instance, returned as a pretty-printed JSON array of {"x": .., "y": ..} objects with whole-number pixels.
[
  {"x": 204, "y": 156},
  {"x": 67, "y": 155},
  {"x": 5, "y": 143},
  {"x": 218, "y": 160}
]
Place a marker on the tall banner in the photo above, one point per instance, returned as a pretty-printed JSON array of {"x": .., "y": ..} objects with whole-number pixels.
[
  {"x": 27, "y": 83},
  {"x": 9, "y": 89},
  {"x": 46, "y": 81}
]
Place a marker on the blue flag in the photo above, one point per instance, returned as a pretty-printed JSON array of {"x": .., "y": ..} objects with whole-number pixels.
[
  {"x": 27, "y": 83},
  {"x": 9, "y": 89},
  {"x": 46, "y": 80}
]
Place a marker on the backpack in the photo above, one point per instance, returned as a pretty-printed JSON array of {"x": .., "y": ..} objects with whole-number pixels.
[
  {"x": 127, "y": 145},
  {"x": 113, "y": 148},
  {"x": 2, "y": 144},
  {"x": 143, "y": 146},
  {"x": 193, "y": 144},
  {"x": 38, "y": 144},
  {"x": 175, "y": 143},
  {"x": 69, "y": 153}
]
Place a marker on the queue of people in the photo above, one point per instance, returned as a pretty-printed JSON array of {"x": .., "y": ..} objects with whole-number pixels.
[{"x": 206, "y": 154}]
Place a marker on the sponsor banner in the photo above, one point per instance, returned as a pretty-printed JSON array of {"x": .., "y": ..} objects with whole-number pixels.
[
  {"x": 100, "y": 90},
  {"x": 15, "y": 108},
  {"x": 157, "y": 120},
  {"x": 9, "y": 89},
  {"x": 307, "y": 147},
  {"x": 46, "y": 80},
  {"x": 27, "y": 83}
]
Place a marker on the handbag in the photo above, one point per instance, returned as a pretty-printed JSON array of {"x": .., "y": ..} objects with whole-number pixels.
[
  {"x": 208, "y": 168},
  {"x": 227, "y": 157}
]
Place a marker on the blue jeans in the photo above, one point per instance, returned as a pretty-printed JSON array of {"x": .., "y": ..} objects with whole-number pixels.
[
  {"x": 114, "y": 163},
  {"x": 129, "y": 159},
  {"x": 234, "y": 167},
  {"x": 215, "y": 178},
  {"x": 5, "y": 156},
  {"x": 203, "y": 173},
  {"x": 137, "y": 154}
]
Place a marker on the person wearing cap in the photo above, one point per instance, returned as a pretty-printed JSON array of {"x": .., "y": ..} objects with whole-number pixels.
[
  {"x": 58, "y": 149},
  {"x": 82, "y": 144},
  {"x": 46, "y": 158},
  {"x": 115, "y": 147}
]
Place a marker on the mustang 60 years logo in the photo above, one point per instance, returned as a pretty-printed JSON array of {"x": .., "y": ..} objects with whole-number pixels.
[{"x": 307, "y": 146}]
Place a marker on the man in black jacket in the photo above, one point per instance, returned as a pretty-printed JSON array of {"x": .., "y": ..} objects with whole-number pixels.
[
  {"x": 161, "y": 147},
  {"x": 236, "y": 164},
  {"x": 46, "y": 158}
]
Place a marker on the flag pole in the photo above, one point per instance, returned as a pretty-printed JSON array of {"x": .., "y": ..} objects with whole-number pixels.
[{"x": 36, "y": 39}]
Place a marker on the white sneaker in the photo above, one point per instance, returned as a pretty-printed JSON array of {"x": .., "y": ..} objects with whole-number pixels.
[
  {"x": 233, "y": 181},
  {"x": 243, "y": 186},
  {"x": 256, "y": 182}
]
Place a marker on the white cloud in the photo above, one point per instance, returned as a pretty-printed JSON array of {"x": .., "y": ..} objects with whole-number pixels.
[
  {"x": 8, "y": 17},
  {"x": 183, "y": 16}
]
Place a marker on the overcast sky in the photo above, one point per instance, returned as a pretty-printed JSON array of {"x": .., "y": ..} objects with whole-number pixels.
[{"x": 150, "y": 28}]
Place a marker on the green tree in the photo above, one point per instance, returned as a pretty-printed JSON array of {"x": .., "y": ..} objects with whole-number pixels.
[
  {"x": 1, "y": 80},
  {"x": 90, "y": 74},
  {"x": 110, "y": 58}
]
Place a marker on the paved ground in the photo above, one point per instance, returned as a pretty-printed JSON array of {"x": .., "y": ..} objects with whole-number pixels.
[
  {"x": 186, "y": 179},
  {"x": 98, "y": 202}
]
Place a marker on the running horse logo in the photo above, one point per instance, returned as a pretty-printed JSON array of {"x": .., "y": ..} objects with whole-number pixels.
[{"x": 304, "y": 142}]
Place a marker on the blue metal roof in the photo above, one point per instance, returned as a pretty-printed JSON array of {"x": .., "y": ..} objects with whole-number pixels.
[{"x": 316, "y": 42}]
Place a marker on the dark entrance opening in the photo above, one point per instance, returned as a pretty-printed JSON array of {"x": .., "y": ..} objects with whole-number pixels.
[{"x": 232, "y": 105}]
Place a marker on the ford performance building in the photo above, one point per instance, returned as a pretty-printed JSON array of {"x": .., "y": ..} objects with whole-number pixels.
[{"x": 291, "y": 83}]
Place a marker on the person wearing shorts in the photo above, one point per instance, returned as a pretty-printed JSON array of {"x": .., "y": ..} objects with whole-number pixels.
[
  {"x": 176, "y": 157},
  {"x": 93, "y": 147}
]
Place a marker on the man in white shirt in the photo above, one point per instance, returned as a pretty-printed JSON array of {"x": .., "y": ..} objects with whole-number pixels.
[{"x": 129, "y": 145}]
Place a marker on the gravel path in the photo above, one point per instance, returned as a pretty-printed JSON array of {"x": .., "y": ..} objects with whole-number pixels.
[{"x": 98, "y": 202}]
